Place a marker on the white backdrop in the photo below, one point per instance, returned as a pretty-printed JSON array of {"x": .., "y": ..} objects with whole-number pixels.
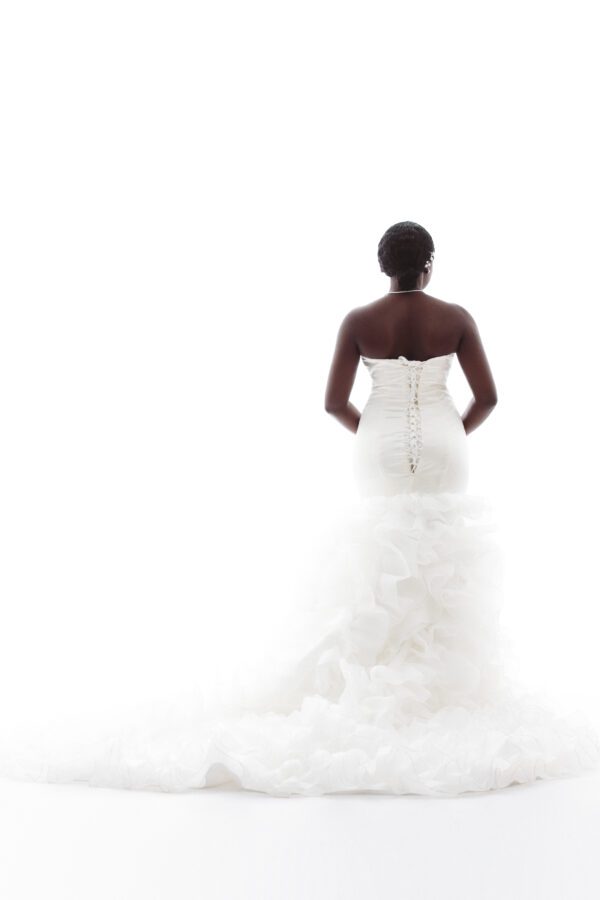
[{"x": 192, "y": 198}]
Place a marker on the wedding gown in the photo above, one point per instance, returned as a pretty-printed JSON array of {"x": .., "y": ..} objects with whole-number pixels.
[{"x": 395, "y": 681}]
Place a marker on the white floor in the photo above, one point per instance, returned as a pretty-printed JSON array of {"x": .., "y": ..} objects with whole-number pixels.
[{"x": 525, "y": 842}]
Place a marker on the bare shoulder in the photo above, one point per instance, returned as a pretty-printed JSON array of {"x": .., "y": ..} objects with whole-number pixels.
[
  {"x": 452, "y": 317},
  {"x": 358, "y": 313},
  {"x": 463, "y": 315},
  {"x": 357, "y": 316}
]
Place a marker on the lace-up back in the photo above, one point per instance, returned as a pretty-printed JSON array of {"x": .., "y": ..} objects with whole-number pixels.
[{"x": 410, "y": 436}]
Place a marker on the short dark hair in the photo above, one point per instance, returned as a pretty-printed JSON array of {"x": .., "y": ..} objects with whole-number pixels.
[{"x": 404, "y": 251}]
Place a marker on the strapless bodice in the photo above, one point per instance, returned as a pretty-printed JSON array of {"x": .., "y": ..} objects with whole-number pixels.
[
  {"x": 408, "y": 379},
  {"x": 410, "y": 435}
]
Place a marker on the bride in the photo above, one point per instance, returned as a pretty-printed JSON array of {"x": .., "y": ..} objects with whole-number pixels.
[{"x": 397, "y": 681}]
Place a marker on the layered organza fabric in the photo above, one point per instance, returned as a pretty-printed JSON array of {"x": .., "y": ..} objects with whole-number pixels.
[{"x": 396, "y": 677}]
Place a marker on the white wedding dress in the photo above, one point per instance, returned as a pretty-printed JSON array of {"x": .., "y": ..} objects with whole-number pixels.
[{"x": 396, "y": 682}]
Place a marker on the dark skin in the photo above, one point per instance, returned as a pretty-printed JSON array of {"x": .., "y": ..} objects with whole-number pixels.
[{"x": 417, "y": 326}]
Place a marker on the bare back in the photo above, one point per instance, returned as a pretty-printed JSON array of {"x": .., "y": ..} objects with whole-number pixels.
[{"x": 417, "y": 326}]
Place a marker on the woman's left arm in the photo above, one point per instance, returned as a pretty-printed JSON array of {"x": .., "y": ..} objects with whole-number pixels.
[{"x": 342, "y": 373}]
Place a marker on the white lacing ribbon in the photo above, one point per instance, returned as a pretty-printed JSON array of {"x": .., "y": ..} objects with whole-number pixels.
[{"x": 415, "y": 439}]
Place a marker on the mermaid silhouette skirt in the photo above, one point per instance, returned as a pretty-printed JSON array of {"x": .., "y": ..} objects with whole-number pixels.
[{"x": 396, "y": 680}]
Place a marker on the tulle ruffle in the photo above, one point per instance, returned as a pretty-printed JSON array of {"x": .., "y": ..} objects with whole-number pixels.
[{"x": 395, "y": 680}]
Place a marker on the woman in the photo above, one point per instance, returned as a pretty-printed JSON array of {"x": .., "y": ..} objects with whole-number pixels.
[
  {"x": 410, "y": 436},
  {"x": 398, "y": 685},
  {"x": 411, "y": 325}
]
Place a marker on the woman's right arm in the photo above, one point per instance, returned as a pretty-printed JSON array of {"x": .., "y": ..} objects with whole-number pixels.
[{"x": 474, "y": 364}]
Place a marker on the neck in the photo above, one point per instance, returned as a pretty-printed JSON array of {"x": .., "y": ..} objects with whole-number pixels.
[{"x": 419, "y": 284}]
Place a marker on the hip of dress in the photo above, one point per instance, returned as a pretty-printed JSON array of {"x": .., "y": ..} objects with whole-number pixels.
[{"x": 400, "y": 447}]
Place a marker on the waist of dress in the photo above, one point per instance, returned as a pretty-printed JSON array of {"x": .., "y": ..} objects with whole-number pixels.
[{"x": 398, "y": 398}]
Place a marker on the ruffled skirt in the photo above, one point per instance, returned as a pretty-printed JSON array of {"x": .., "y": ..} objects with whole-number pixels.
[{"x": 395, "y": 679}]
